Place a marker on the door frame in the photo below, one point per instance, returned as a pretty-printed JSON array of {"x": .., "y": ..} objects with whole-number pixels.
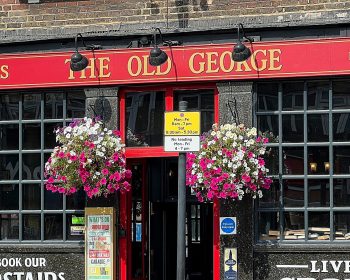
[{"x": 146, "y": 152}]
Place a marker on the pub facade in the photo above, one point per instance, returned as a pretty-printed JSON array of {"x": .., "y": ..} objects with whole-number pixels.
[{"x": 297, "y": 90}]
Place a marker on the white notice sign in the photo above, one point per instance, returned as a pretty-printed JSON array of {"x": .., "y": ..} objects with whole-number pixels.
[{"x": 181, "y": 143}]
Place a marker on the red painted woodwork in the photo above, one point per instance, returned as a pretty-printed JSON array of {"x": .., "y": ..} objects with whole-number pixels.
[
  {"x": 186, "y": 63},
  {"x": 139, "y": 153}
]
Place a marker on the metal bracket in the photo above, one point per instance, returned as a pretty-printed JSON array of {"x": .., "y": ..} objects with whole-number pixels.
[{"x": 234, "y": 111}]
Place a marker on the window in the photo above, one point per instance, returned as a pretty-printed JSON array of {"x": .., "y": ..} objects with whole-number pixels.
[
  {"x": 309, "y": 161},
  {"x": 143, "y": 114},
  {"x": 28, "y": 212}
]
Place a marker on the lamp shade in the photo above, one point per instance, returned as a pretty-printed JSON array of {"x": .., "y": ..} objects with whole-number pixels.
[
  {"x": 157, "y": 56},
  {"x": 78, "y": 62},
  {"x": 240, "y": 52}
]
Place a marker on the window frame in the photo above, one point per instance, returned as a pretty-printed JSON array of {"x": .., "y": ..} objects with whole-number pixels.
[
  {"x": 42, "y": 151},
  {"x": 158, "y": 151},
  {"x": 280, "y": 210}
]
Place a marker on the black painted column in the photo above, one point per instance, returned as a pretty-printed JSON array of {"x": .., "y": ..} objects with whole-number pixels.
[{"x": 235, "y": 106}]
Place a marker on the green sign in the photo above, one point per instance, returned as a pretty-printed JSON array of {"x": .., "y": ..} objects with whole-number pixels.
[{"x": 78, "y": 220}]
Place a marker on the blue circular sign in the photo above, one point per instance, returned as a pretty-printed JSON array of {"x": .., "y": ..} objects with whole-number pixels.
[{"x": 228, "y": 225}]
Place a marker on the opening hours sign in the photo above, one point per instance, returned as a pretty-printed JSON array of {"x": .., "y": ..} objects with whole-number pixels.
[
  {"x": 100, "y": 239},
  {"x": 181, "y": 131}
]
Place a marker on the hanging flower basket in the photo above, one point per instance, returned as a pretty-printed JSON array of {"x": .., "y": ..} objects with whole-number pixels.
[
  {"x": 229, "y": 164},
  {"x": 90, "y": 157}
]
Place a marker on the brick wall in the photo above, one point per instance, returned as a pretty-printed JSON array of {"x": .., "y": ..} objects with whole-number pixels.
[{"x": 59, "y": 18}]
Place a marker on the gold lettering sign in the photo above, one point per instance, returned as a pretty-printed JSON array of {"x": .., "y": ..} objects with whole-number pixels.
[
  {"x": 4, "y": 72},
  {"x": 139, "y": 66},
  {"x": 214, "y": 62},
  {"x": 90, "y": 71}
]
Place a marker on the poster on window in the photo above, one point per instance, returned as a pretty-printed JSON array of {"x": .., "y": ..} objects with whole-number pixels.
[{"x": 99, "y": 243}]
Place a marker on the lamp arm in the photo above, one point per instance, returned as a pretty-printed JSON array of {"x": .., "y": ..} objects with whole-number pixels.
[
  {"x": 160, "y": 34},
  {"x": 76, "y": 41},
  {"x": 155, "y": 37},
  {"x": 240, "y": 25}
]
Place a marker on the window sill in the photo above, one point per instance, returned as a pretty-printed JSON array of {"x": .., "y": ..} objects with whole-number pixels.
[
  {"x": 343, "y": 246},
  {"x": 76, "y": 247}
]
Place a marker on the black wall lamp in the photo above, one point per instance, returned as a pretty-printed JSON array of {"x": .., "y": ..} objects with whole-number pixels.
[
  {"x": 157, "y": 56},
  {"x": 79, "y": 62},
  {"x": 240, "y": 51}
]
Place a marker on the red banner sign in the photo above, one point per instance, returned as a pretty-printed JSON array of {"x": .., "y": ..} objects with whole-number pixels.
[{"x": 186, "y": 63}]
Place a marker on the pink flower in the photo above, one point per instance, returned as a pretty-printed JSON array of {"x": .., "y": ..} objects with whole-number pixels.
[
  {"x": 128, "y": 174},
  {"x": 103, "y": 181},
  {"x": 61, "y": 190},
  {"x": 246, "y": 178},
  {"x": 261, "y": 162},
  {"x": 51, "y": 180},
  {"x": 210, "y": 195},
  {"x": 105, "y": 171},
  {"x": 61, "y": 154}
]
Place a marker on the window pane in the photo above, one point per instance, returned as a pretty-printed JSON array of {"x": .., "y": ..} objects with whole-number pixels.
[
  {"x": 293, "y": 96},
  {"x": 271, "y": 160},
  {"x": 317, "y": 95},
  {"x": 76, "y": 104},
  {"x": 9, "y": 197},
  {"x": 341, "y": 225},
  {"x": 318, "y": 128},
  {"x": 341, "y": 157},
  {"x": 9, "y": 226},
  {"x": 267, "y": 97},
  {"x": 31, "y": 227},
  {"x": 318, "y": 193},
  {"x": 53, "y": 226},
  {"x": 293, "y": 128},
  {"x": 53, "y": 201},
  {"x": 31, "y": 136},
  {"x": 270, "y": 197},
  {"x": 293, "y": 160},
  {"x": 319, "y": 225},
  {"x": 9, "y": 167},
  {"x": 31, "y": 167},
  {"x": 144, "y": 119},
  {"x": 31, "y": 106},
  {"x": 198, "y": 100},
  {"x": 341, "y": 127},
  {"x": 54, "y": 106},
  {"x": 31, "y": 196},
  {"x": 341, "y": 97},
  {"x": 269, "y": 225},
  {"x": 9, "y": 136},
  {"x": 76, "y": 201},
  {"x": 207, "y": 99},
  {"x": 268, "y": 124},
  {"x": 341, "y": 192},
  {"x": 207, "y": 121},
  {"x": 318, "y": 160},
  {"x": 9, "y": 106},
  {"x": 293, "y": 193},
  {"x": 75, "y": 227},
  {"x": 294, "y": 226},
  {"x": 50, "y": 135}
]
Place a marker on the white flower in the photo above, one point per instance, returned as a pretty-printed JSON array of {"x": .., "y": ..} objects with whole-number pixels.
[{"x": 68, "y": 135}]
